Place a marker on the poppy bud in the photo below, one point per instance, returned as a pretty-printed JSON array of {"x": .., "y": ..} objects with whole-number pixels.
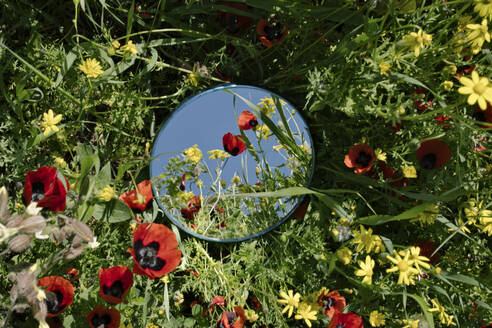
[
  {"x": 33, "y": 224},
  {"x": 15, "y": 222},
  {"x": 3, "y": 202},
  {"x": 82, "y": 230},
  {"x": 75, "y": 252},
  {"x": 19, "y": 243}
]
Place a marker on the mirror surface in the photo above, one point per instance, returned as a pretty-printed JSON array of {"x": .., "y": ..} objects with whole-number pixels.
[{"x": 222, "y": 149}]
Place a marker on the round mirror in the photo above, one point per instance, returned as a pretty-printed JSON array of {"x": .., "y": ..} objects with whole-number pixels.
[{"x": 220, "y": 159}]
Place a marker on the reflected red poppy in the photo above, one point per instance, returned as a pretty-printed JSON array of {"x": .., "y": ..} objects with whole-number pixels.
[
  {"x": 194, "y": 205},
  {"x": 182, "y": 184},
  {"x": 422, "y": 104},
  {"x": 102, "y": 317},
  {"x": 301, "y": 210},
  {"x": 331, "y": 302},
  {"x": 232, "y": 22},
  {"x": 427, "y": 247},
  {"x": 154, "y": 250},
  {"x": 115, "y": 283},
  {"x": 232, "y": 319},
  {"x": 234, "y": 145},
  {"x": 483, "y": 116},
  {"x": 247, "y": 120},
  {"x": 45, "y": 187},
  {"x": 270, "y": 33},
  {"x": 345, "y": 320},
  {"x": 60, "y": 294},
  {"x": 360, "y": 157},
  {"x": 72, "y": 273},
  {"x": 433, "y": 154},
  {"x": 132, "y": 200}
]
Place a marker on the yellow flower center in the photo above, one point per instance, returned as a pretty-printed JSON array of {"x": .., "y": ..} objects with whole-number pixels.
[
  {"x": 479, "y": 88},
  {"x": 419, "y": 40},
  {"x": 484, "y": 29},
  {"x": 403, "y": 266}
]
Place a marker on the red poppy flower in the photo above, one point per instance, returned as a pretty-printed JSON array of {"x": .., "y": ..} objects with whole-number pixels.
[
  {"x": 102, "y": 317},
  {"x": 360, "y": 157},
  {"x": 72, "y": 273},
  {"x": 433, "y": 154},
  {"x": 45, "y": 187},
  {"x": 217, "y": 300},
  {"x": 388, "y": 174},
  {"x": 194, "y": 206},
  {"x": 331, "y": 302},
  {"x": 270, "y": 33},
  {"x": 234, "y": 145},
  {"x": 232, "y": 319},
  {"x": 420, "y": 104},
  {"x": 60, "y": 294},
  {"x": 247, "y": 120},
  {"x": 483, "y": 116},
  {"x": 115, "y": 283},
  {"x": 427, "y": 247},
  {"x": 154, "y": 250},
  {"x": 301, "y": 210},
  {"x": 234, "y": 23},
  {"x": 132, "y": 199},
  {"x": 345, "y": 320}
]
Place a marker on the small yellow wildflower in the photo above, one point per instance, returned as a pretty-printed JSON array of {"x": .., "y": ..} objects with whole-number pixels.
[
  {"x": 267, "y": 106},
  {"x": 115, "y": 44},
  {"x": 235, "y": 179},
  {"x": 484, "y": 8},
  {"x": 151, "y": 325},
  {"x": 50, "y": 121},
  {"x": 60, "y": 162},
  {"x": 366, "y": 270},
  {"x": 404, "y": 265},
  {"x": 380, "y": 154},
  {"x": 411, "y": 323},
  {"x": 364, "y": 239},
  {"x": 264, "y": 132},
  {"x": 165, "y": 279},
  {"x": 257, "y": 170},
  {"x": 344, "y": 255},
  {"x": 448, "y": 85},
  {"x": 91, "y": 68},
  {"x": 378, "y": 245},
  {"x": 161, "y": 312},
  {"x": 384, "y": 68},
  {"x": 452, "y": 69},
  {"x": 417, "y": 41},
  {"x": 58, "y": 69},
  {"x": 217, "y": 153},
  {"x": 443, "y": 316},
  {"x": 304, "y": 312},
  {"x": 418, "y": 260},
  {"x": 193, "y": 154},
  {"x": 106, "y": 194},
  {"x": 130, "y": 47},
  {"x": 438, "y": 270},
  {"x": 478, "y": 34},
  {"x": 192, "y": 79},
  {"x": 376, "y": 319},
  {"x": 185, "y": 196},
  {"x": 305, "y": 149},
  {"x": 477, "y": 88},
  {"x": 409, "y": 171},
  {"x": 250, "y": 315},
  {"x": 290, "y": 300}
]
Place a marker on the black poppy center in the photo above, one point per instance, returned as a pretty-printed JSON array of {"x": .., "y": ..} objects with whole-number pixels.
[
  {"x": 272, "y": 32},
  {"x": 100, "y": 321},
  {"x": 328, "y": 302},
  {"x": 115, "y": 290},
  {"x": 147, "y": 256},
  {"x": 428, "y": 161},
  {"x": 479, "y": 116},
  {"x": 37, "y": 191},
  {"x": 54, "y": 302},
  {"x": 253, "y": 123},
  {"x": 363, "y": 159}
]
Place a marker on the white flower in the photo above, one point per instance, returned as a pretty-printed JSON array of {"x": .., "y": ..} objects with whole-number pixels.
[
  {"x": 33, "y": 209},
  {"x": 40, "y": 235},
  {"x": 93, "y": 243}
]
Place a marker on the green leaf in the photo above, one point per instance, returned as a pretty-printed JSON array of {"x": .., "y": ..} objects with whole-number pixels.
[
  {"x": 103, "y": 178},
  {"x": 423, "y": 305},
  {"x": 67, "y": 64},
  {"x": 408, "y": 214},
  {"x": 113, "y": 211},
  {"x": 292, "y": 191},
  {"x": 330, "y": 202},
  {"x": 461, "y": 278}
]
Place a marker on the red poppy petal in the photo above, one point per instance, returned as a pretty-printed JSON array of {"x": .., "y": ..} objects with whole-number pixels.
[
  {"x": 107, "y": 277},
  {"x": 267, "y": 43},
  {"x": 57, "y": 283},
  {"x": 260, "y": 27},
  {"x": 246, "y": 119},
  {"x": 102, "y": 311},
  {"x": 436, "y": 147}
]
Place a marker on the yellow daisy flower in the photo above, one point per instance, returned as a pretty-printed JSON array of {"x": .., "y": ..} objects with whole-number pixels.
[
  {"x": 364, "y": 239},
  {"x": 366, "y": 270},
  {"x": 304, "y": 312},
  {"x": 384, "y": 68},
  {"x": 477, "y": 35},
  {"x": 484, "y": 8},
  {"x": 448, "y": 85},
  {"x": 477, "y": 88},
  {"x": 418, "y": 260},
  {"x": 404, "y": 265},
  {"x": 290, "y": 300},
  {"x": 376, "y": 319},
  {"x": 91, "y": 68},
  {"x": 417, "y": 41},
  {"x": 344, "y": 255},
  {"x": 50, "y": 121}
]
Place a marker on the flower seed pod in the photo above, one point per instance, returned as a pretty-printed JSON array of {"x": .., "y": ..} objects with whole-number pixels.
[
  {"x": 3, "y": 203},
  {"x": 19, "y": 243},
  {"x": 33, "y": 224},
  {"x": 15, "y": 221},
  {"x": 75, "y": 252},
  {"x": 82, "y": 230}
]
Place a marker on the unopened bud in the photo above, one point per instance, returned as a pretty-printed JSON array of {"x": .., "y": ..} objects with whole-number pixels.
[
  {"x": 75, "y": 252},
  {"x": 19, "y": 243},
  {"x": 33, "y": 224},
  {"x": 3, "y": 202},
  {"x": 82, "y": 230},
  {"x": 15, "y": 222}
]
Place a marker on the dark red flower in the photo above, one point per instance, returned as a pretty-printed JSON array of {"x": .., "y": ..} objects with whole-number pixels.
[
  {"x": 345, "y": 320},
  {"x": 234, "y": 145},
  {"x": 422, "y": 104},
  {"x": 433, "y": 154},
  {"x": 234, "y": 23},
  {"x": 360, "y": 157},
  {"x": 232, "y": 319},
  {"x": 388, "y": 174},
  {"x": 72, "y": 273},
  {"x": 270, "y": 33},
  {"x": 115, "y": 283},
  {"x": 194, "y": 206},
  {"x": 102, "y": 317},
  {"x": 247, "y": 120},
  {"x": 427, "y": 247},
  {"x": 60, "y": 294},
  {"x": 45, "y": 187},
  {"x": 154, "y": 250},
  {"x": 141, "y": 199},
  {"x": 483, "y": 116},
  {"x": 331, "y": 302},
  {"x": 254, "y": 303},
  {"x": 222, "y": 75}
]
